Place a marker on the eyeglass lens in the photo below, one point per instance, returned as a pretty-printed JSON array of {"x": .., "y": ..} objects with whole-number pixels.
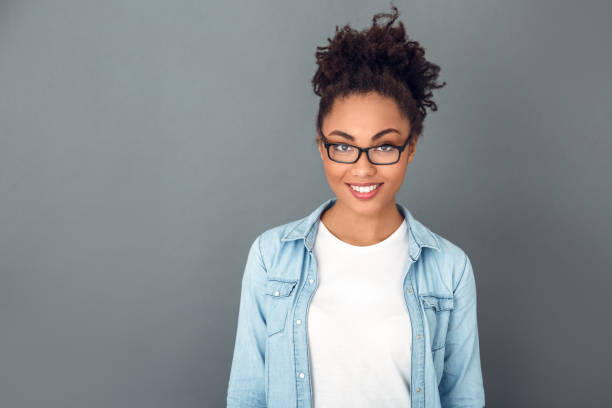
[{"x": 348, "y": 154}]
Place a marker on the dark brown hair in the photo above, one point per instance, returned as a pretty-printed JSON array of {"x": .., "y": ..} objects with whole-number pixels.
[{"x": 382, "y": 59}]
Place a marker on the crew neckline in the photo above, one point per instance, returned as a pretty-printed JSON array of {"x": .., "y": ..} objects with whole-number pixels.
[{"x": 395, "y": 236}]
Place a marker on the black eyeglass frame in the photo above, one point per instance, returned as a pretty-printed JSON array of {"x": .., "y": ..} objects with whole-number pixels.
[{"x": 364, "y": 149}]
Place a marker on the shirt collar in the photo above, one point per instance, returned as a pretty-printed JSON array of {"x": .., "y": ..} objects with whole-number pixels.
[{"x": 420, "y": 235}]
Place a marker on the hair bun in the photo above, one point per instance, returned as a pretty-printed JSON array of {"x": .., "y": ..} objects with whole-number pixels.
[{"x": 360, "y": 60}]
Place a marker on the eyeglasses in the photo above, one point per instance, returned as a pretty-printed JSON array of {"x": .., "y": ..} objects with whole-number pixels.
[{"x": 346, "y": 153}]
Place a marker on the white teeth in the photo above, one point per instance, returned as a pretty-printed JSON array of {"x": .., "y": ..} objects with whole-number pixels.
[{"x": 364, "y": 189}]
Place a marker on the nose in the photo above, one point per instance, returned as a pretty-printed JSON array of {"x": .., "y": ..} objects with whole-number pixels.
[{"x": 363, "y": 167}]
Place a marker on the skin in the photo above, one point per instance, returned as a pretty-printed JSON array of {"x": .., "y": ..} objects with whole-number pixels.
[{"x": 355, "y": 221}]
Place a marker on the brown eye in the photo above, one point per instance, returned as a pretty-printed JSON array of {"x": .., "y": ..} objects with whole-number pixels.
[
  {"x": 343, "y": 148},
  {"x": 385, "y": 148}
]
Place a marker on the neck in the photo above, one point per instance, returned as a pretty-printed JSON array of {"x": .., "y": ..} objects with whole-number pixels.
[{"x": 362, "y": 229}]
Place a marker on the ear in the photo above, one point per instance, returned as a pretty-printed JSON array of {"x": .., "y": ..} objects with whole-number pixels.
[
  {"x": 321, "y": 148},
  {"x": 412, "y": 148}
]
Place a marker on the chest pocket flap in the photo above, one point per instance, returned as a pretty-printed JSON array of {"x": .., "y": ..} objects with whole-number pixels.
[
  {"x": 275, "y": 287},
  {"x": 437, "y": 310},
  {"x": 437, "y": 303},
  {"x": 278, "y": 292}
]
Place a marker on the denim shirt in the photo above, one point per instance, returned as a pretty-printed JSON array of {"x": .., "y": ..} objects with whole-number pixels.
[{"x": 271, "y": 366}]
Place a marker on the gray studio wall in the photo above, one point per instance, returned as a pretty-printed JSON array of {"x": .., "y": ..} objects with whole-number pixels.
[{"x": 145, "y": 144}]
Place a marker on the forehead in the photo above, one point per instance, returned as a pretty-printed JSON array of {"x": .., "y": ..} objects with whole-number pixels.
[{"x": 365, "y": 115}]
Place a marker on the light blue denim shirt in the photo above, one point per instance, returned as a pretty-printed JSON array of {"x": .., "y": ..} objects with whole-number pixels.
[{"x": 270, "y": 365}]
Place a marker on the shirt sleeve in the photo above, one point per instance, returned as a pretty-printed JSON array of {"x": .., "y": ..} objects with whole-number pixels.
[
  {"x": 246, "y": 387},
  {"x": 461, "y": 384}
]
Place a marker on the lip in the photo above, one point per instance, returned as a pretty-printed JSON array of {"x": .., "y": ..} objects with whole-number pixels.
[
  {"x": 364, "y": 196},
  {"x": 364, "y": 184}
]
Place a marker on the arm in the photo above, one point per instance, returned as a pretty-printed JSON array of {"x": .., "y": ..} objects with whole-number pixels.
[
  {"x": 461, "y": 384},
  {"x": 246, "y": 386}
]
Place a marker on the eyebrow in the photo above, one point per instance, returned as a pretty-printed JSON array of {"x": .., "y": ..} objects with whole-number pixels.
[{"x": 375, "y": 137}]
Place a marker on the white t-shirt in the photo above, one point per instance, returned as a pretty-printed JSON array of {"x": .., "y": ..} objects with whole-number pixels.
[{"x": 359, "y": 330}]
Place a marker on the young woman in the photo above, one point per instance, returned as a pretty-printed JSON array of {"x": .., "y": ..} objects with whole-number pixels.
[{"x": 359, "y": 304}]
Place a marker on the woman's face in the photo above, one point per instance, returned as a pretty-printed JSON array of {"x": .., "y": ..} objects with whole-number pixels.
[{"x": 354, "y": 120}]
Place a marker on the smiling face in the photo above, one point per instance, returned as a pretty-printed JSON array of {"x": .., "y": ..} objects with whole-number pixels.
[{"x": 355, "y": 120}]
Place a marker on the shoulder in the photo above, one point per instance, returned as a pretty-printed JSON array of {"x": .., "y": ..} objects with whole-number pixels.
[
  {"x": 271, "y": 241},
  {"x": 445, "y": 259}
]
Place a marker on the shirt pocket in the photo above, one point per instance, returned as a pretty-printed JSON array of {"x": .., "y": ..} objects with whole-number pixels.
[
  {"x": 437, "y": 309},
  {"x": 278, "y": 294}
]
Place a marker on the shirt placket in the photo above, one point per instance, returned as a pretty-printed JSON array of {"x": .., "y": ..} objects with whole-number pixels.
[
  {"x": 302, "y": 359},
  {"x": 417, "y": 370}
]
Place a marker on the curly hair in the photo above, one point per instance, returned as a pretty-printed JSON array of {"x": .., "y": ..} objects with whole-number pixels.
[{"x": 382, "y": 59}]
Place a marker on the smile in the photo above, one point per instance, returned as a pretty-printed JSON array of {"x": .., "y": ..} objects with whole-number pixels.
[
  {"x": 365, "y": 192},
  {"x": 365, "y": 189}
]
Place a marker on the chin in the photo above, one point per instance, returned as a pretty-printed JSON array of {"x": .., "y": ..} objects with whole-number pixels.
[{"x": 363, "y": 206}]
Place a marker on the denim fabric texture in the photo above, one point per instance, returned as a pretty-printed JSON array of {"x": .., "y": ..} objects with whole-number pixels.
[{"x": 270, "y": 365}]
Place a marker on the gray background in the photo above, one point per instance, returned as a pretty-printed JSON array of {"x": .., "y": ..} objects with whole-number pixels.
[{"x": 145, "y": 144}]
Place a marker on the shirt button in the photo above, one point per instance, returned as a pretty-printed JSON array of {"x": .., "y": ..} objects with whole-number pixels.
[
  {"x": 276, "y": 293},
  {"x": 409, "y": 290},
  {"x": 301, "y": 375},
  {"x": 419, "y": 337},
  {"x": 419, "y": 389},
  {"x": 298, "y": 321},
  {"x": 311, "y": 281}
]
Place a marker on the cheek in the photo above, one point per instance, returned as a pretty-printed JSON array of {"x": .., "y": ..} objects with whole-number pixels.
[
  {"x": 395, "y": 175},
  {"x": 333, "y": 172}
]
